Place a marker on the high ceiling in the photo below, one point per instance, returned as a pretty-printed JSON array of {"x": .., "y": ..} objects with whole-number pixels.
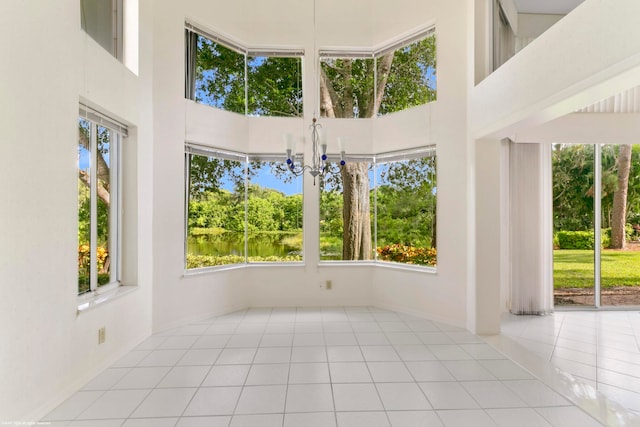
[{"x": 557, "y": 7}]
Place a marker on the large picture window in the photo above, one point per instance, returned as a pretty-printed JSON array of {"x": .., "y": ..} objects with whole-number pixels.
[
  {"x": 99, "y": 191},
  {"x": 240, "y": 209},
  {"x": 368, "y": 84},
  {"x": 381, "y": 208},
  {"x": 406, "y": 207},
  {"x": 406, "y": 75},
  {"x": 346, "y": 86},
  {"x": 346, "y": 211},
  {"x": 227, "y": 76}
]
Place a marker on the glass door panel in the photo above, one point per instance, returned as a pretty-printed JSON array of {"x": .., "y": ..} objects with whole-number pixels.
[
  {"x": 620, "y": 218},
  {"x": 573, "y": 224}
]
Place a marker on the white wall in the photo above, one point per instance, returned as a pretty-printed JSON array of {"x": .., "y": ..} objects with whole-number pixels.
[
  {"x": 443, "y": 296},
  {"x": 48, "y": 65}
]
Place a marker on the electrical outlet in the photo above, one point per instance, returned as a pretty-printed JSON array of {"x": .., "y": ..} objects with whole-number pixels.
[
  {"x": 328, "y": 285},
  {"x": 102, "y": 335}
]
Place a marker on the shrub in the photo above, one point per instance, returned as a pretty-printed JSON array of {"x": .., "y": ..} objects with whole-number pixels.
[
  {"x": 199, "y": 261},
  {"x": 84, "y": 257},
  {"x": 581, "y": 239},
  {"x": 408, "y": 254},
  {"x": 201, "y": 231}
]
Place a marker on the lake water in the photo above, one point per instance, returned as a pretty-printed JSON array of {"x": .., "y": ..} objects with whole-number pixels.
[{"x": 261, "y": 244}]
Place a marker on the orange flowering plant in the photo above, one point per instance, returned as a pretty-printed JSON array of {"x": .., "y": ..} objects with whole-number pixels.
[{"x": 408, "y": 254}]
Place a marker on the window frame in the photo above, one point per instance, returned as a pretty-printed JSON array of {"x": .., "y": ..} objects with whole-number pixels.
[
  {"x": 247, "y": 158},
  {"x": 192, "y": 29},
  {"x": 118, "y": 134},
  {"x": 374, "y": 54},
  {"x": 375, "y": 159}
]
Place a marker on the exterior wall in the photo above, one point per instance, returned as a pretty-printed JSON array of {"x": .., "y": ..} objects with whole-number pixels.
[{"x": 49, "y": 65}]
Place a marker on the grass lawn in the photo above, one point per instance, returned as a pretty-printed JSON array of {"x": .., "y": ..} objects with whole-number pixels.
[{"x": 574, "y": 268}]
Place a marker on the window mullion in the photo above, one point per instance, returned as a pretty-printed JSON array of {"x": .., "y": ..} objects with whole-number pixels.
[
  {"x": 375, "y": 205},
  {"x": 246, "y": 210},
  {"x": 246, "y": 86},
  {"x": 93, "y": 194},
  {"x": 187, "y": 197},
  {"x": 115, "y": 216},
  {"x": 597, "y": 214}
]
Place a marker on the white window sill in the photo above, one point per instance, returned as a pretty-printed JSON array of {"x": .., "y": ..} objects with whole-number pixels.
[
  {"x": 406, "y": 267},
  {"x": 194, "y": 272},
  {"x": 382, "y": 264},
  {"x": 98, "y": 298}
]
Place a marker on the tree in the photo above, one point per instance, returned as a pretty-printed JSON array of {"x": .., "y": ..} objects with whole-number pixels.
[
  {"x": 347, "y": 91},
  {"x": 573, "y": 188},
  {"x": 273, "y": 84},
  {"x": 619, "y": 214}
]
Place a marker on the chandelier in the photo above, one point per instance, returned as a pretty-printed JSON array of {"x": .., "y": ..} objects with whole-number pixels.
[{"x": 319, "y": 165}]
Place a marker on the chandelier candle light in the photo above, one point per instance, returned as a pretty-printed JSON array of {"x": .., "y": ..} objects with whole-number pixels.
[{"x": 318, "y": 140}]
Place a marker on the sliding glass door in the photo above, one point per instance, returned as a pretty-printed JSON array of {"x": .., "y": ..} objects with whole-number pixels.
[{"x": 596, "y": 212}]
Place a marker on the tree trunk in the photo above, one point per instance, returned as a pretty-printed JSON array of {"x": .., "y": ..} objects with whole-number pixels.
[
  {"x": 619, "y": 214},
  {"x": 356, "y": 241},
  {"x": 356, "y": 232},
  {"x": 434, "y": 224}
]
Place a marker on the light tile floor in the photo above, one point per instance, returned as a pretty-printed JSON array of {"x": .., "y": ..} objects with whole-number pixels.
[
  {"x": 599, "y": 348},
  {"x": 309, "y": 367}
]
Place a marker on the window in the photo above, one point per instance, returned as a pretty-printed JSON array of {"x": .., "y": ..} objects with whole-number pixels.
[
  {"x": 215, "y": 209},
  {"x": 240, "y": 209},
  {"x": 99, "y": 199},
  {"x": 274, "y": 85},
  {"x": 368, "y": 84},
  {"x": 406, "y": 75},
  {"x": 102, "y": 20},
  {"x": 227, "y": 76},
  {"x": 381, "y": 208},
  {"x": 346, "y": 86},
  {"x": 596, "y": 220},
  {"x": 346, "y": 211},
  {"x": 406, "y": 207}
]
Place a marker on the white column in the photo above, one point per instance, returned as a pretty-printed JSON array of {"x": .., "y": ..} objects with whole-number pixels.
[{"x": 490, "y": 186}]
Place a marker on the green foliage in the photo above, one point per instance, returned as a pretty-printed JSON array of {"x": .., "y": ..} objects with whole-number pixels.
[
  {"x": 274, "y": 84},
  {"x": 293, "y": 241},
  {"x": 581, "y": 239},
  {"x": 408, "y": 254},
  {"x": 331, "y": 204},
  {"x": 200, "y": 261},
  {"x": 207, "y": 174},
  {"x": 352, "y": 81},
  {"x": 220, "y": 76},
  {"x": 411, "y": 80},
  {"x": 330, "y": 248},
  {"x": 573, "y": 185},
  {"x": 406, "y": 202}
]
